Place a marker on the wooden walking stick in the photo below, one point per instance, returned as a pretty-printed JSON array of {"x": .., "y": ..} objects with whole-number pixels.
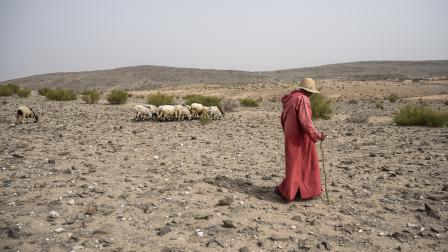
[{"x": 325, "y": 174}]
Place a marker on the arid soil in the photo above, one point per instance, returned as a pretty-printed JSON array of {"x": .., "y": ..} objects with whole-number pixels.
[
  {"x": 335, "y": 89},
  {"x": 86, "y": 177}
]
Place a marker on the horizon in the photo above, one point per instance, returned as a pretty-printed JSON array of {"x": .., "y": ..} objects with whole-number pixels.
[
  {"x": 274, "y": 70},
  {"x": 254, "y": 36}
]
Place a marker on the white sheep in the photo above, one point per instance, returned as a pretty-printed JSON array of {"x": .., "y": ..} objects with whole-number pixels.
[
  {"x": 184, "y": 112},
  {"x": 196, "y": 109},
  {"x": 205, "y": 111},
  {"x": 178, "y": 112},
  {"x": 199, "y": 110},
  {"x": 215, "y": 112},
  {"x": 142, "y": 112},
  {"x": 152, "y": 109},
  {"x": 165, "y": 112},
  {"x": 24, "y": 112}
]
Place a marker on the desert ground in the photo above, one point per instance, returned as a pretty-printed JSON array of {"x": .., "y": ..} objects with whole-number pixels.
[{"x": 88, "y": 178}]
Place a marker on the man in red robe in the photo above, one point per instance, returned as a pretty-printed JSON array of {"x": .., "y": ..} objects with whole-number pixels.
[{"x": 302, "y": 164}]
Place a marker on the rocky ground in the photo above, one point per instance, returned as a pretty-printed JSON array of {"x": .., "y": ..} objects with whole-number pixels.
[{"x": 86, "y": 177}]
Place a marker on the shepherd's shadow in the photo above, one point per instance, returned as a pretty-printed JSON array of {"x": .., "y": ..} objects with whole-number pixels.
[{"x": 246, "y": 187}]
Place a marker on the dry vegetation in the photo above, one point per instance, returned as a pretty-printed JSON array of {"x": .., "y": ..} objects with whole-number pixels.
[{"x": 86, "y": 177}]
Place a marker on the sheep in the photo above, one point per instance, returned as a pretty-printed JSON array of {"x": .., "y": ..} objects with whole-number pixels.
[
  {"x": 24, "y": 112},
  {"x": 142, "y": 112},
  {"x": 199, "y": 110},
  {"x": 152, "y": 109},
  {"x": 205, "y": 110},
  {"x": 177, "y": 112},
  {"x": 165, "y": 112},
  {"x": 182, "y": 112},
  {"x": 196, "y": 109},
  {"x": 215, "y": 112}
]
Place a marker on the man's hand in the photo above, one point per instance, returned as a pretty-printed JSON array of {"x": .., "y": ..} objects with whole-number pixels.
[{"x": 323, "y": 136}]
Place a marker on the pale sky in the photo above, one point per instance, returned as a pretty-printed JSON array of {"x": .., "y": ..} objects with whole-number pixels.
[{"x": 44, "y": 36}]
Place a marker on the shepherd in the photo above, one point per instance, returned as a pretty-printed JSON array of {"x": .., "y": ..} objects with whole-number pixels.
[{"x": 302, "y": 176}]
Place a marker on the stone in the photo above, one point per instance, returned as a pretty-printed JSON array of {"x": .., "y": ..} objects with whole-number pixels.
[
  {"x": 163, "y": 231},
  {"x": 402, "y": 236},
  {"x": 432, "y": 212},
  {"x": 71, "y": 202},
  {"x": 216, "y": 242},
  {"x": 326, "y": 245},
  {"x": 69, "y": 221},
  {"x": 106, "y": 229},
  {"x": 202, "y": 216},
  {"x": 39, "y": 185},
  {"x": 244, "y": 249},
  {"x": 51, "y": 161},
  {"x": 412, "y": 225},
  {"x": 226, "y": 201},
  {"x": 445, "y": 188},
  {"x": 171, "y": 250},
  {"x": 18, "y": 155},
  {"x": 228, "y": 224},
  {"x": 99, "y": 190},
  {"x": 297, "y": 218},
  {"x": 91, "y": 209},
  {"x": 81, "y": 216},
  {"x": 53, "y": 215},
  {"x": 106, "y": 242},
  {"x": 199, "y": 233},
  {"x": 437, "y": 229},
  {"x": 14, "y": 232},
  {"x": 59, "y": 230},
  {"x": 279, "y": 238},
  {"x": 222, "y": 189}
]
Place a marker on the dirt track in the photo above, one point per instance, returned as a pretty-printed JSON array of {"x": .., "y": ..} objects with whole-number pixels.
[{"x": 125, "y": 186}]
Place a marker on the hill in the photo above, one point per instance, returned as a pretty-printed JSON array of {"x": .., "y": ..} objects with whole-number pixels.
[{"x": 148, "y": 77}]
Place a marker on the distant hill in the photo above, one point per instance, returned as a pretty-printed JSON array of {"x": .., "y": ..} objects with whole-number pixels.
[{"x": 147, "y": 77}]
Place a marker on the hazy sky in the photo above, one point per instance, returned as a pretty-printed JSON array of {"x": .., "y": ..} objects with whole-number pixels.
[{"x": 42, "y": 36}]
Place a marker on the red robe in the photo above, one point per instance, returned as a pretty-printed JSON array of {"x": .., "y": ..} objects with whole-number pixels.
[{"x": 302, "y": 163}]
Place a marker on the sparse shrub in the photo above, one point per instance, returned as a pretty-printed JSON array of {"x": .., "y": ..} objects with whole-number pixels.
[
  {"x": 379, "y": 105},
  {"x": 420, "y": 115},
  {"x": 446, "y": 103},
  {"x": 42, "y": 91},
  {"x": 6, "y": 91},
  {"x": 204, "y": 119},
  {"x": 320, "y": 106},
  {"x": 23, "y": 92},
  {"x": 9, "y": 90},
  {"x": 159, "y": 99},
  {"x": 13, "y": 87},
  {"x": 117, "y": 96},
  {"x": 393, "y": 97},
  {"x": 90, "y": 96},
  {"x": 353, "y": 102},
  {"x": 60, "y": 94},
  {"x": 202, "y": 99},
  {"x": 247, "y": 102},
  {"x": 228, "y": 105}
]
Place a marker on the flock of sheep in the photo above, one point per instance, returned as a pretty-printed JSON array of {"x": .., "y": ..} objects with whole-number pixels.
[
  {"x": 150, "y": 112},
  {"x": 176, "y": 112}
]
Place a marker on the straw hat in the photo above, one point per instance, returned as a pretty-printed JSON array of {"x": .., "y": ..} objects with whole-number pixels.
[{"x": 309, "y": 85}]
